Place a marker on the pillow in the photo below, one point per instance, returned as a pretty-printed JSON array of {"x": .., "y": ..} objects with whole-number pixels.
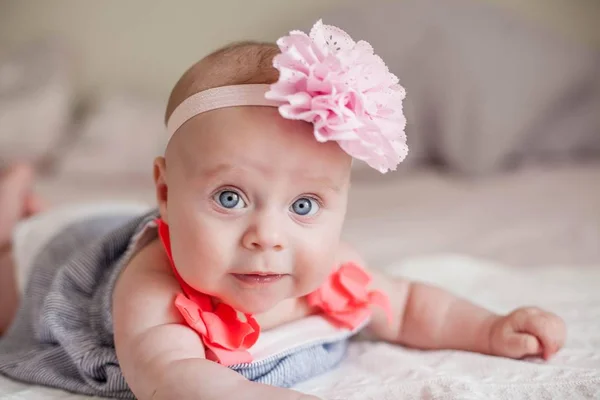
[
  {"x": 118, "y": 136},
  {"x": 486, "y": 89},
  {"x": 36, "y": 100}
]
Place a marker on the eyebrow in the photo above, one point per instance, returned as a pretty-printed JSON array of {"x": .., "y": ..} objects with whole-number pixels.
[
  {"x": 219, "y": 169},
  {"x": 323, "y": 181}
]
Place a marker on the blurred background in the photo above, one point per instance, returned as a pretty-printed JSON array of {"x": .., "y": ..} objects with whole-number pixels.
[{"x": 503, "y": 111}]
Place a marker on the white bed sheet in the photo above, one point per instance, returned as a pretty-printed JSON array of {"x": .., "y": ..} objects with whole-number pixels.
[{"x": 540, "y": 227}]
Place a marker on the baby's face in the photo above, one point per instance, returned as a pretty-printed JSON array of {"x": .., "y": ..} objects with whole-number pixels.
[{"x": 255, "y": 206}]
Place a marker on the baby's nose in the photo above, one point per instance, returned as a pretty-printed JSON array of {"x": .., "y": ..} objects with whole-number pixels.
[
  {"x": 264, "y": 245},
  {"x": 263, "y": 235}
]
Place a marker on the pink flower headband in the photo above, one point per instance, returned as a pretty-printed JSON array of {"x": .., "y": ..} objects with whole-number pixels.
[{"x": 327, "y": 79}]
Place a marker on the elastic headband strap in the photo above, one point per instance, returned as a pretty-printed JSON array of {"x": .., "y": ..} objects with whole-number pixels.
[{"x": 219, "y": 97}]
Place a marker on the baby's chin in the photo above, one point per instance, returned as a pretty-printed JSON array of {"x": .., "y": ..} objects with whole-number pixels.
[{"x": 253, "y": 303}]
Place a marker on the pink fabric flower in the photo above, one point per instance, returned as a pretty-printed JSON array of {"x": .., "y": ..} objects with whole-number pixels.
[
  {"x": 345, "y": 91},
  {"x": 345, "y": 298}
]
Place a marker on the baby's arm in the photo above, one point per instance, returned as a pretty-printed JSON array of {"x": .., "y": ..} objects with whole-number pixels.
[
  {"x": 160, "y": 357},
  {"x": 428, "y": 317}
]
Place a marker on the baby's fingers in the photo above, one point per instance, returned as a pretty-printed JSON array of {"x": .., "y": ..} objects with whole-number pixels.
[
  {"x": 550, "y": 331},
  {"x": 519, "y": 345}
]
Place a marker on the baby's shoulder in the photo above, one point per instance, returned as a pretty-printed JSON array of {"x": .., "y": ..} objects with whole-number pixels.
[
  {"x": 151, "y": 257},
  {"x": 148, "y": 272},
  {"x": 146, "y": 287}
]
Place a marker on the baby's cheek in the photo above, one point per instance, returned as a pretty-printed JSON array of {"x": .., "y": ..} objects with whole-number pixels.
[
  {"x": 204, "y": 259},
  {"x": 313, "y": 267}
]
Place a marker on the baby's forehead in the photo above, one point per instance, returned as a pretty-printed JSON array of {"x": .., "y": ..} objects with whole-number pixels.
[
  {"x": 197, "y": 164},
  {"x": 198, "y": 154},
  {"x": 256, "y": 138}
]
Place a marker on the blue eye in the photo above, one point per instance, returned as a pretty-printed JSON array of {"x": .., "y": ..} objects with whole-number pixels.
[
  {"x": 305, "y": 206},
  {"x": 229, "y": 199}
]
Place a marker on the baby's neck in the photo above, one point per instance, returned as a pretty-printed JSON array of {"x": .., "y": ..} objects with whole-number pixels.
[{"x": 287, "y": 311}]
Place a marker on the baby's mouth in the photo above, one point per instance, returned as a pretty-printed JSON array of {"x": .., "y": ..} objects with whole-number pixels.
[{"x": 259, "y": 278}]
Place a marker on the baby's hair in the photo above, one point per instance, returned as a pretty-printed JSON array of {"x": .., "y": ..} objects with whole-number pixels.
[{"x": 236, "y": 64}]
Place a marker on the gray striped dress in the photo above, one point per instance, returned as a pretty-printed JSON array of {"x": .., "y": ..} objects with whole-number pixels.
[{"x": 63, "y": 334}]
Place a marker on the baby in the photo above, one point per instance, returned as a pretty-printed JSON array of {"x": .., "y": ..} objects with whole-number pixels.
[{"x": 237, "y": 286}]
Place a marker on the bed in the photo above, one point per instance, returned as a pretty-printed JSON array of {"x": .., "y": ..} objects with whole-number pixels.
[{"x": 528, "y": 237}]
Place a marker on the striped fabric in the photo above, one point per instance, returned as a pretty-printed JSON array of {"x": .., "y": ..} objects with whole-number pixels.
[{"x": 63, "y": 335}]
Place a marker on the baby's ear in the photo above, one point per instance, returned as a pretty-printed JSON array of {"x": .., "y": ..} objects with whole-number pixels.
[{"x": 160, "y": 183}]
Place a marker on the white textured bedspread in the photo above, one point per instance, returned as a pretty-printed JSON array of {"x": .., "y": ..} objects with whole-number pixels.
[{"x": 381, "y": 371}]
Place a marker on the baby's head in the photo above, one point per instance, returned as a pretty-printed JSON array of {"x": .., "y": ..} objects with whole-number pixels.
[
  {"x": 254, "y": 182},
  {"x": 255, "y": 205}
]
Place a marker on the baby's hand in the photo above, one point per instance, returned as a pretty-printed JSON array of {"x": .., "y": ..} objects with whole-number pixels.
[{"x": 527, "y": 331}]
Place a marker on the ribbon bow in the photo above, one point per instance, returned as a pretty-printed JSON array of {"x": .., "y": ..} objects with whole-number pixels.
[{"x": 345, "y": 298}]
